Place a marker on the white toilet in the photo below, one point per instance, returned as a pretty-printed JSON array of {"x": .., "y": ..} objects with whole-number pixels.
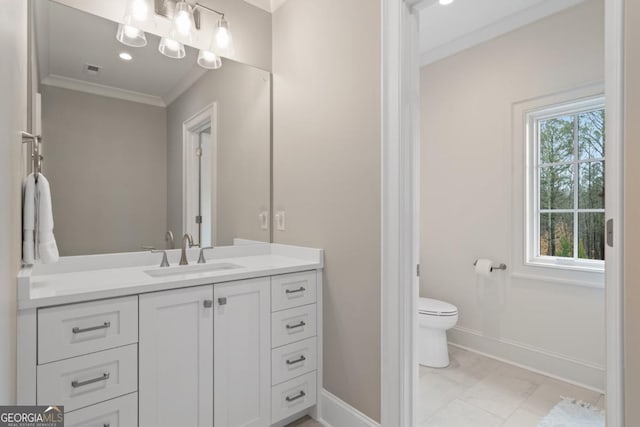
[{"x": 434, "y": 319}]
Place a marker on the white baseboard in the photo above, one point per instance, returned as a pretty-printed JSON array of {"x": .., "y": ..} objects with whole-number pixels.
[
  {"x": 334, "y": 412},
  {"x": 555, "y": 365}
]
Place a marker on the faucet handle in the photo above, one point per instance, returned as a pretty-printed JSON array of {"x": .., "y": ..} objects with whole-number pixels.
[
  {"x": 201, "y": 259},
  {"x": 165, "y": 260}
]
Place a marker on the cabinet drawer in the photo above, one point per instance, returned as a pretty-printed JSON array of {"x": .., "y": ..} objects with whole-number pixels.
[
  {"x": 293, "y": 360},
  {"x": 119, "y": 412},
  {"x": 85, "y": 380},
  {"x": 293, "y": 290},
  {"x": 293, "y": 325},
  {"x": 77, "y": 329},
  {"x": 293, "y": 396}
]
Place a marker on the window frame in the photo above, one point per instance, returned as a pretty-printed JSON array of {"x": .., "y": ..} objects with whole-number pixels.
[{"x": 532, "y": 169}]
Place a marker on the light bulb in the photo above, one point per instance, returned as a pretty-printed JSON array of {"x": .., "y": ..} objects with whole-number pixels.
[
  {"x": 172, "y": 44},
  {"x": 125, "y": 56},
  {"x": 183, "y": 19},
  {"x": 222, "y": 34},
  {"x": 131, "y": 32},
  {"x": 171, "y": 48},
  {"x": 445, "y": 2},
  {"x": 209, "y": 60},
  {"x": 139, "y": 10},
  {"x": 131, "y": 36}
]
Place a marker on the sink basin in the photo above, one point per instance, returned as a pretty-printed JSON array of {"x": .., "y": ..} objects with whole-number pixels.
[{"x": 191, "y": 269}]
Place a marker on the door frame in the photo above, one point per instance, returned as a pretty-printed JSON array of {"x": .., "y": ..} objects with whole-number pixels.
[
  {"x": 400, "y": 205},
  {"x": 191, "y": 128}
]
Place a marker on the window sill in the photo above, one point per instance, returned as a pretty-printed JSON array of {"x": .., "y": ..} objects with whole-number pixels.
[{"x": 560, "y": 273}]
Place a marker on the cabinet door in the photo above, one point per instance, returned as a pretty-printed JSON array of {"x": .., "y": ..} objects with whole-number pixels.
[
  {"x": 176, "y": 358},
  {"x": 242, "y": 354}
]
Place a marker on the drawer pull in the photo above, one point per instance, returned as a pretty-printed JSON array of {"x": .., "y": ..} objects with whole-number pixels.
[
  {"x": 296, "y": 397},
  {"x": 299, "y": 325},
  {"x": 208, "y": 303},
  {"x": 222, "y": 301},
  {"x": 293, "y": 362},
  {"x": 106, "y": 425},
  {"x": 76, "y": 384},
  {"x": 77, "y": 330},
  {"x": 301, "y": 289}
]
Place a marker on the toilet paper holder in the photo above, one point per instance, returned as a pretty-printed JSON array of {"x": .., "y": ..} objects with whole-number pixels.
[{"x": 499, "y": 267}]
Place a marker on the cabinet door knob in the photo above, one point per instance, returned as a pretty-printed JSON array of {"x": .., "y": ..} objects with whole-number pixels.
[
  {"x": 222, "y": 301},
  {"x": 208, "y": 303}
]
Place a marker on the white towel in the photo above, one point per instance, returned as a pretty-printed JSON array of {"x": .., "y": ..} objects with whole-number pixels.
[
  {"x": 29, "y": 220},
  {"x": 47, "y": 247}
]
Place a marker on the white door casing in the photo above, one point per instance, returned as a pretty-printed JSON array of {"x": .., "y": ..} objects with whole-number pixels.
[{"x": 191, "y": 128}]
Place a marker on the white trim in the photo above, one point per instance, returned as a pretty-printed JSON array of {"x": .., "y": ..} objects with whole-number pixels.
[
  {"x": 102, "y": 90},
  {"x": 496, "y": 29},
  {"x": 536, "y": 359},
  {"x": 614, "y": 200},
  {"x": 522, "y": 188},
  {"x": 268, "y": 5},
  {"x": 338, "y": 413},
  {"x": 400, "y": 204},
  {"x": 190, "y": 128}
]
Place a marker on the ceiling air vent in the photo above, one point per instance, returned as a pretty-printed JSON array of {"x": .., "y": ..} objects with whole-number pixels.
[{"x": 92, "y": 70}]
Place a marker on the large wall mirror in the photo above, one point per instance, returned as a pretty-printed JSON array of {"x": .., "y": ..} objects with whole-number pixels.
[{"x": 137, "y": 144}]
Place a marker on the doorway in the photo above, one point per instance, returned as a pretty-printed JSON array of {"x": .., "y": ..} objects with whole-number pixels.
[
  {"x": 200, "y": 176},
  {"x": 398, "y": 384}
]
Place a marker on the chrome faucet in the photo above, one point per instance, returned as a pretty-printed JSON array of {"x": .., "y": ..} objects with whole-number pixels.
[{"x": 186, "y": 240}]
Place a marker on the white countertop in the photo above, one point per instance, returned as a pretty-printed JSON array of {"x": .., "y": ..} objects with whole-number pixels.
[{"x": 84, "y": 278}]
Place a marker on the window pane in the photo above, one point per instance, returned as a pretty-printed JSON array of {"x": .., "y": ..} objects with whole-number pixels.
[
  {"x": 591, "y": 135},
  {"x": 556, "y": 187},
  {"x": 591, "y": 189},
  {"x": 591, "y": 235},
  {"x": 556, "y": 140},
  {"x": 556, "y": 234}
]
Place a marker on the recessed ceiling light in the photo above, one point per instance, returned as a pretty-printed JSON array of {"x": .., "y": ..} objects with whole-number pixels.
[
  {"x": 445, "y": 2},
  {"x": 125, "y": 56}
]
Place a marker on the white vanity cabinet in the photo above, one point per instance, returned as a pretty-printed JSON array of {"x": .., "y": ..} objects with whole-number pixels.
[
  {"x": 242, "y": 350},
  {"x": 176, "y": 358}
]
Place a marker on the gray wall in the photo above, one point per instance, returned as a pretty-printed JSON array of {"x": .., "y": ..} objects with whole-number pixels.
[
  {"x": 105, "y": 159},
  {"x": 632, "y": 213},
  {"x": 13, "y": 109},
  {"x": 467, "y": 198},
  {"x": 243, "y": 98},
  {"x": 327, "y": 142}
]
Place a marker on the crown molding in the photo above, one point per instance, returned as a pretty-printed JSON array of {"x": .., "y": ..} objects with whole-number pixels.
[
  {"x": 268, "y": 5},
  {"x": 496, "y": 29},
  {"x": 102, "y": 90}
]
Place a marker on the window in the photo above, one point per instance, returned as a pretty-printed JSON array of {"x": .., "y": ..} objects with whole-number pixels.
[{"x": 566, "y": 219}]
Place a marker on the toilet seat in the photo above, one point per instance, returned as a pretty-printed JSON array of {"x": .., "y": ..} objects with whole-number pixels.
[{"x": 434, "y": 307}]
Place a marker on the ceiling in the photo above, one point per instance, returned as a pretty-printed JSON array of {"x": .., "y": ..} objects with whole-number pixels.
[
  {"x": 68, "y": 39},
  {"x": 446, "y": 30}
]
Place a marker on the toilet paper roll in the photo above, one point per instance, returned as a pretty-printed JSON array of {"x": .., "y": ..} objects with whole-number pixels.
[{"x": 483, "y": 267}]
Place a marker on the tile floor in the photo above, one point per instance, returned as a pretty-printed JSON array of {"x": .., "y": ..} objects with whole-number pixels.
[{"x": 476, "y": 391}]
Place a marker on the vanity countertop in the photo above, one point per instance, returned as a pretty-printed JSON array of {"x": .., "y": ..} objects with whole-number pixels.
[{"x": 90, "y": 277}]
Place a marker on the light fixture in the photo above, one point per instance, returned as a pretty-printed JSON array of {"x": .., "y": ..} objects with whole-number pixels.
[
  {"x": 208, "y": 59},
  {"x": 445, "y": 2},
  {"x": 137, "y": 11},
  {"x": 131, "y": 36},
  {"x": 171, "y": 48},
  {"x": 222, "y": 35},
  {"x": 125, "y": 56},
  {"x": 183, "y": 21}
]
